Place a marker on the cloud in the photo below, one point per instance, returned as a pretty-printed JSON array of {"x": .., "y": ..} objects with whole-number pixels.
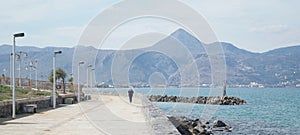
[
  {"x": 58, "y": 22},
  {"x": 50, "y": 22},
  {"x": 270, "y": 29}
]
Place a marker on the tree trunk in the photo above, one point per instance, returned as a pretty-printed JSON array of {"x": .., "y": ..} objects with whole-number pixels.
[{"x": 64, "y": 88}]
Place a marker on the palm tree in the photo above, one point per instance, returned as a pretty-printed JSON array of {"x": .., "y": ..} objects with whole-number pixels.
[
  {"x": 71, "y": 83},
  {"x": 59, "y": 74}
]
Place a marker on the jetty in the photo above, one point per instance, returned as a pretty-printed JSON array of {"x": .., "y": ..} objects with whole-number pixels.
[{"x": 214, "y": 100}]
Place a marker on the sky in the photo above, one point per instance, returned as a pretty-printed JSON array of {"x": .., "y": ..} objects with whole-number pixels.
[{"x": 254, "y": 25}]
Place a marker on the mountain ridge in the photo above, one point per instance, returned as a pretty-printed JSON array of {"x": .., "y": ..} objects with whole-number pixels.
[
  {"x": 3, "y": 46},
  {"x": 274, "y": 68}
]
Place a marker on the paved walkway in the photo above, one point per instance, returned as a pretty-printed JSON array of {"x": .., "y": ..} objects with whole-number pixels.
[{"x": 101, "y": 115}]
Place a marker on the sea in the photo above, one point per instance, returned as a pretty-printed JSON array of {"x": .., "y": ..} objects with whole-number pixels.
[{"x": 268, "y": 110}]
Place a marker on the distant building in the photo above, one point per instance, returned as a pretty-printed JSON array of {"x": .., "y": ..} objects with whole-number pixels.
[{"x": 256, "y": 85}]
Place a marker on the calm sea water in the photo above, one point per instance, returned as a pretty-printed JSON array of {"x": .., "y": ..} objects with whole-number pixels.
[{"x": 269, "y": 110}]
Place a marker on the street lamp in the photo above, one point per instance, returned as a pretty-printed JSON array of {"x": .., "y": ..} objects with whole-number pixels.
[
  {"x": 30, "y": 67},
  {"x": 13, "y": 73},
  {"x": 54, "y": 78},
  {"x": 4, "y": 73},
  {"x": 87, "y": 75},
  {"x": 78, "y": 85},
  {"x": 20, "y": 62},
  {"x": 92, "y": 77},
  {"x": 36, "y": 72},
  {"x": 10, "y": 70},
  {"x": 36, "y": 75}
]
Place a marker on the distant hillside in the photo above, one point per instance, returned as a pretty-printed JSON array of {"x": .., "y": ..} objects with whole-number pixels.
[
  {"x": 44, "y": 56},
  {"x": 276, "y": 68}
]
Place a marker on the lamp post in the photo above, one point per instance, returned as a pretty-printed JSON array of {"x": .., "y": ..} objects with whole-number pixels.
[
  {"x": 54, "y": 79},
  {"x": 4, "y": 73},
  {"x": 20, "y": 62},
  {"x": 78, "y": 85},
  {"x": 87, "y": 75},
  {"x": 36, "y": 75},
  {"x": 10, "y": 70},
  {"x": 13, "y": 73},
  {"x": 30, "y": 67},
  {"x": 92, "y": 77},
  {"x": 36, "y": 72}
]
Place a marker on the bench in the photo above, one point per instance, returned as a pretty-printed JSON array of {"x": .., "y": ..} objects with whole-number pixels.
[
  {"x": 87, "y": 97},
  {"x": 69, "y": 100},
  {"x": 30, "y": 108}
]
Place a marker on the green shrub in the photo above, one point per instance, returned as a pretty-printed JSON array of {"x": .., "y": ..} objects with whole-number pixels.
[{"x": 6, "y": 93}]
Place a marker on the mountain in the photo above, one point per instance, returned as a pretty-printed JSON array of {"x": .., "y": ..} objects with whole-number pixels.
[
  {"x": 175, "y": 60},
  {"x": 280, "y": 65},
  {"x": 43, "y": 56}
]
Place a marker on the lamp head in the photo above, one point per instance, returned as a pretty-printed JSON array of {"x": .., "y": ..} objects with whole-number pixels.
[
  {"x": 57, "y": 52},
  {"x": 18, "y": 57},
  {"x": 19, "y": 35},
  {"x": 25, "y": 55}
]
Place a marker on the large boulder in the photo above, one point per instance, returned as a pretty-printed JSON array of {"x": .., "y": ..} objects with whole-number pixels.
[
  {"x": 188, "y": 126},
  {"x": 219, "y": 123}
]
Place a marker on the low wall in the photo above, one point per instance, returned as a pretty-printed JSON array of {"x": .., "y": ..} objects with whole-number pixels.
[
  {"x": 6, "y": 106},
  {"x": 157, "y": 119},
  {"x": 41, "y": 102}
]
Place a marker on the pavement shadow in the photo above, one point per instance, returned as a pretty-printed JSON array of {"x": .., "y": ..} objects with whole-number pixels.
[{"x": 16, "y": 123}]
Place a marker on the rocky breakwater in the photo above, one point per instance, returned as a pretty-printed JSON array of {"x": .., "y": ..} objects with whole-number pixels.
[
  {"x": 195, "y": 127},
  {"x": 217, "y": 100}
]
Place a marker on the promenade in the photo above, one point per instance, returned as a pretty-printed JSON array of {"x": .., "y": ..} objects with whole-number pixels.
[{"x": 104, "y": 114}]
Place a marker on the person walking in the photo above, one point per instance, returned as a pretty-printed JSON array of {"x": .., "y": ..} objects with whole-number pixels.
[{"x": 130, "y": 94}]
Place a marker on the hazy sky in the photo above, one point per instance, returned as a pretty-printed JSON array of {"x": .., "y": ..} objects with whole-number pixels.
[{"x": 253, "y": 25}]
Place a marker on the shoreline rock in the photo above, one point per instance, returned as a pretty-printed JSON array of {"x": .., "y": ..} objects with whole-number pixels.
[
  {"x": 195, "y": 127},
  {"x": 217, "y": 100}
]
